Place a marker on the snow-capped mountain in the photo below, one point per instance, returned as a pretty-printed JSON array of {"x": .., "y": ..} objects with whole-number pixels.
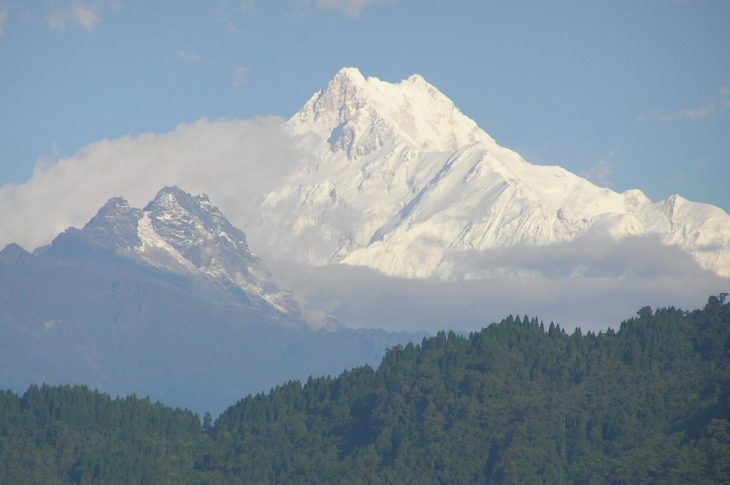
[
  {"x": 185, "y": 234},
  {"x": 401, "y": 181}
]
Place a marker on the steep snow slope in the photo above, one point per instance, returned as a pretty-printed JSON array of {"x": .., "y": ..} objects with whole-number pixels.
[{"x": 401, "y": 181}]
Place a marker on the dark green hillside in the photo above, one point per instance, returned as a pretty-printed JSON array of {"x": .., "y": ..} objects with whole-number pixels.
[
  {"x": 73, "y": 435},
  {"x": 514, "y": 403}
]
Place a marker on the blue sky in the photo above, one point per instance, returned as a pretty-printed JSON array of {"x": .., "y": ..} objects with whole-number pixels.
[{"x": 632, "y": 94}]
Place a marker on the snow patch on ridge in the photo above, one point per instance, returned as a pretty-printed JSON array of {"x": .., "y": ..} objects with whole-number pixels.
[{"x": 158, "y": 252}]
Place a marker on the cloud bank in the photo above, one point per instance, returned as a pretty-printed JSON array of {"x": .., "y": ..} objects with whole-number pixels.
[
  {"x": 591, "y": 283},
  {"x": 235, "y": 162}
]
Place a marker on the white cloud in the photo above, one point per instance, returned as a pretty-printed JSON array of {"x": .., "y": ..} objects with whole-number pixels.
[
  {"x": 239, "y": 76},
  {"x": 78, "y": 14},
  {"x": 725, "y": 90},
  {"x": 3, "y": 19},
  {"x": 232, "y": 161},
  {"x": 350, "y": 8},
  {"x": 189, "y": 56},
  {"x": 600, "y": 173}
]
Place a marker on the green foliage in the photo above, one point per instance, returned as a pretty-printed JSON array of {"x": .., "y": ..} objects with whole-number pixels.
[
  {"x": 513, "y": 403},
  {"x": 73, "y": 435}
]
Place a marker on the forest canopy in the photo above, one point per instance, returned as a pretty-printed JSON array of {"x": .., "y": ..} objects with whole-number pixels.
[{"x": 517, "y": 402}]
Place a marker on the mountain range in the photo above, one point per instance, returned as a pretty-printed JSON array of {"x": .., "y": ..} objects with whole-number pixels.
[
  {"x": 166, "y": 301},
  {"x": 399, "y": 180},
  {"x": 169, "y": 300}
]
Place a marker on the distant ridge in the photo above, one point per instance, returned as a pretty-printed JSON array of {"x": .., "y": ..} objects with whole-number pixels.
[{"x": 166, "y": 301}]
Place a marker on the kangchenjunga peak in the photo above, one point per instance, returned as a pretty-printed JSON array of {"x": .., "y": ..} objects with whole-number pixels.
[
  {"x": 359, "y": 115},
  {"x": 399, "y": 180}
]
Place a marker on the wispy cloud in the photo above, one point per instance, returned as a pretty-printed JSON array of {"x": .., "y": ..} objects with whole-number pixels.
[
  {"x": 600, "y": 173},
  {"x": 351, "y": 8},
  {"x": 239, "y": 76},
  {"x": 247, "y": 6},
  {"x": 229, "y": 12},
  {"x": 76, "y": 14},
  {"x": 56, "y": 21},
  {"x": 189, "y": 56},
  {"x": 699, "y": 112},
  {"x": 3, "y": 19},
  {"x": 84, "y": 16},
  {"x": 696, "y": 113}
]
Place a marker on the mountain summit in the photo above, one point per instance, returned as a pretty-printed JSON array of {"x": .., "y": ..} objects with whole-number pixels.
[
  {"x": 188, "y": 236},
  {"x": 401, "y": 181},
  {"x": 360, "y": 116}
]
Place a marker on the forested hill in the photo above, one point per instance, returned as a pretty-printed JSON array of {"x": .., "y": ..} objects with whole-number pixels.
[{"x": 514, "y": 403}]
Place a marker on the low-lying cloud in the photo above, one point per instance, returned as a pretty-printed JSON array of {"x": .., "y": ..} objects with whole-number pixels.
[
  {"x": 592, "y": 283},
  {"x": 591, "y": 256},
  {"x": 235, "y": 162}
]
